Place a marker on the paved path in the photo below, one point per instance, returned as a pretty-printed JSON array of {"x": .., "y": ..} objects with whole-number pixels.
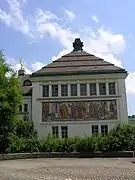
[{"x": 62, "y": 169}]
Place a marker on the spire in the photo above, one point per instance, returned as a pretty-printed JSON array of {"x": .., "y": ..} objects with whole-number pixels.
[
  {"x": 77, "y": 45},
  {"x": 21, "y": 71}
]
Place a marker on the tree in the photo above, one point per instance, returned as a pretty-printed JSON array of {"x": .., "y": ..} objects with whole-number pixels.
[{"x": 10, "y": 98}]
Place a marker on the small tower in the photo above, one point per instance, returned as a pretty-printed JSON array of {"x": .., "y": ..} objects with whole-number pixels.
[{"x": 21, "y": 71}]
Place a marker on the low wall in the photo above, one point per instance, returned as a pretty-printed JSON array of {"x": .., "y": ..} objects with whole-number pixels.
[{"x": 121, "y": 154}]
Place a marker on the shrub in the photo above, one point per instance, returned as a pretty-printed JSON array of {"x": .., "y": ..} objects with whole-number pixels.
[{"x": 121, "y": 138}]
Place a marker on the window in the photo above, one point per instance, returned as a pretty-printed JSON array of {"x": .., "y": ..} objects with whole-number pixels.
[
  {"x": 112, "y": 89},
  {"x": 55, "y": 131},
  {"x": 45, "y": 90},
  {"x": 27, "y": 83},
  {"x": 25, "y": 118},
  {"x": 93, "y": 89},
  {"x": 83, "y": 89},
  {"x": 20, "y": 108},
  {"x": 73, "y": 89},
  {"x": 104, "y": 129},
  {"x": 94, "y": 129},
  {"x": 54, "y": 90},
  {"x": 25, "y": 107},
  {"x": 64, "y": 90},
  {"x": 102, "y": 88},
  {"x": 64, "y": 131}
]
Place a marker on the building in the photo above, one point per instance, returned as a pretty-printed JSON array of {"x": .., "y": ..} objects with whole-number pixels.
[{"x": 76, "y": 95}]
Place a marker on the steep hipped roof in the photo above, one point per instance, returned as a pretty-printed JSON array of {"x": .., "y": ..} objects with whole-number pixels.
[{"x": 78, "y": 62}]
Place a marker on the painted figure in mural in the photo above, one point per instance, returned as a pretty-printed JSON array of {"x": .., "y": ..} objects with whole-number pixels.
[
  {"x": 63, "y": 111},
  {"x": 45, "y": 111},
  {"x": 81, "y": 110},
  {"x": 113, "y": 110},
  {"x": 73, "y": 111}
]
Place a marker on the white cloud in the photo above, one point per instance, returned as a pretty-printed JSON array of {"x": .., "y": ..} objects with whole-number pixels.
[
  {"x": 94, "y": 18},
  {"x": 102, "y": 43},
  {"x": 70, "y": 15},
  {"x": 37, "y": 65},
  {"x": 130, "y": 83},
  {"x": 14, "y": 17}
]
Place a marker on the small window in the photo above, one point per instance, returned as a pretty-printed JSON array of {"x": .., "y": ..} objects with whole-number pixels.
[
  {"x": 93, "y": 89},
  {"x": 64, "y": 90},
  {"x": 112, "y": 89},
  {"x": 83, "y": 89},
  {"x": 25, "y": 107},
  {"x": 45, "y": 90},
  {"x": 55, "y": 131},
  {"x": 54, "y": 90},
  {"x": 27, "y": 83},
  {"x": 94, "y": 129},
  {"x": 73, "y": 89},
  {"x": 20, "y": 108},
  {"x": 102, "y": 88},
  {"x": 104, "y": 130},
  {"x": 25, "y": 118},
  {"x": 64, "y": 131}
]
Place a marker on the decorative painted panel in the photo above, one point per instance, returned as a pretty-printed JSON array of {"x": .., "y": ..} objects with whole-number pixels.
[{"x": 92, "y": 110}]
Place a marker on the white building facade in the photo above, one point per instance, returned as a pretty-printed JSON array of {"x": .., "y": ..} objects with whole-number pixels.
[{"x": 77, "y": 95}]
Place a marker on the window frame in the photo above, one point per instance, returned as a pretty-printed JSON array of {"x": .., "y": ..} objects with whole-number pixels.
[
  {"x": 64, "y": 131},
  {"x": 91, "y": 90},
  {"x": 55, "y": 90},
  {"x": 112, "y": 90},
  {"x": 104, "y": 129},
  {"x": 20, "y": 108},
  {"x": 95, "y": 128},
  {"x": 64, "y": 90},
  {"x": 55, "y": 131},
  {"x": 83, "y": 89},
  {"x": 25, "y": 108},
  {"x": 73, "y": 93},
  {"x": 45, "y": 92},
  {"x": 101, "y": 89}
]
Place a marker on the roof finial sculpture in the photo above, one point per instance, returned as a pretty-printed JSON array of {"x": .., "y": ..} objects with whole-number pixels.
[
  {"x": 22, "y": 67},
  {"x": 77, "y": 45},
  {"x": 21, "y": 71}
]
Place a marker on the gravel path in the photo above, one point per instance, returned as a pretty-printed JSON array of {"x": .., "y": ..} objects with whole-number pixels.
[{"x": 67, "y": 169}]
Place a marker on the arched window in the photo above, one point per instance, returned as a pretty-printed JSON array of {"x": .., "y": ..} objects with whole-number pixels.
[{"x": 27, "y": 83}]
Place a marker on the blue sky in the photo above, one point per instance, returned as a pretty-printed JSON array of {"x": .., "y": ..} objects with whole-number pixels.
[{"x": 41, "y": 31}]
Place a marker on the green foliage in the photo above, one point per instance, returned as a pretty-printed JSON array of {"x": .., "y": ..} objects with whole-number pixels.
[
  {"x": 24, "y": 129},
  {"x": 10, "y": 98},
  {"x": 22, "y": 144},
  {"x": 121, "y": 138}
]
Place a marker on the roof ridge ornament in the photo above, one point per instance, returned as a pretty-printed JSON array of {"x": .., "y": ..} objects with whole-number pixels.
[{"x": 77, "y": 45}]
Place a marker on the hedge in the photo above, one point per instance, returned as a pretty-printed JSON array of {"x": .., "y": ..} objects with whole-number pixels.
[{"x": 122, "y": 138}]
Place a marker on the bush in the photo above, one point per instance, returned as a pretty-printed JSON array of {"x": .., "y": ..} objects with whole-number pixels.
[
  {"x": 23, "y": 145},
  {"x": 121, "y": 138}
]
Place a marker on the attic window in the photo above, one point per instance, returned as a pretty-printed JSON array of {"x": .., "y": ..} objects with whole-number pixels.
[{"x": 27, "y": 83}]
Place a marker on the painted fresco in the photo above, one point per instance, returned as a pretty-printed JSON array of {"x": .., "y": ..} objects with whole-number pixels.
[{"x": 92, "y": 110}]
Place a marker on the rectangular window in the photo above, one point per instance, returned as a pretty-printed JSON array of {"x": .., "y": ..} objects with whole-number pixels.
[
  {"x": 112, "y": 89},
  {"x": 64, "y": 131},
  {"x": 64, "y": 90},
  {"x": 20, "y": 108},
  {"x": 104, "y": 130},
  {"x": 25, "y": 118},
  {"x": 54, "y": 90},
  {"x": 93, "y": 89},
  {"x": 94, "y": 129},
  {"x": 55, "y": 131},
  {"x": 73, "y": 89},
  {"x": 45, "y": 90},
  {"x": 83, "y": 89},
  {"x": 102, "y": 88},
  {"x": 25, "y": 107}
]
